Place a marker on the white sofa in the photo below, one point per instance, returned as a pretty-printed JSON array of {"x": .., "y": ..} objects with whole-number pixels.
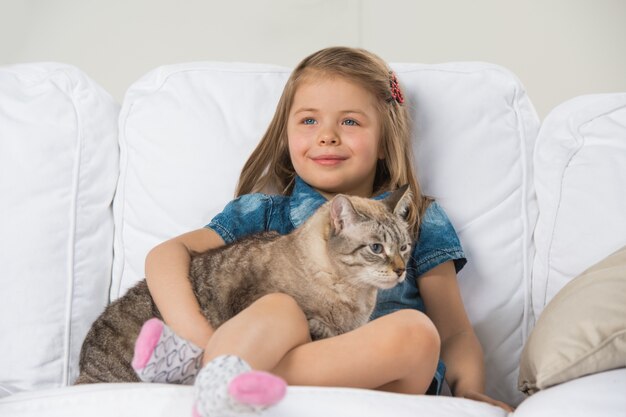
[{"x": 88, "y": 188}]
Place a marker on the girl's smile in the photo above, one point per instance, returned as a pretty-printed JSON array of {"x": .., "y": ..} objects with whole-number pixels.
[
  {"x": 334, "y": 135},
  {"x": 329, "y": 160}
]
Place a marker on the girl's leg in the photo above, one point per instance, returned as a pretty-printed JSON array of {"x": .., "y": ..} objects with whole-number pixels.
[
  {"x": 397, "y": 352},
  {"x": 162, "y": 356},
  {"x": 262, "y": 333}
]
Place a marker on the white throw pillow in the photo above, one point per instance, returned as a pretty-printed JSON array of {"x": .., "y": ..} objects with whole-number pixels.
[{"x": 58, "y": 170}]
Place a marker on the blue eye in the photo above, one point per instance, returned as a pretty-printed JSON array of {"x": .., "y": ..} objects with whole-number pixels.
[
  {"x": 350, "y": 122},
  {"x": 377, "y": 248},
  {"x": 309, "y": 121}
]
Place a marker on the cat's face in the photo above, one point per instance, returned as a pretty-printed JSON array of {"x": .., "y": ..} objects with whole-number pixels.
[{"x": 370, "y": 240}]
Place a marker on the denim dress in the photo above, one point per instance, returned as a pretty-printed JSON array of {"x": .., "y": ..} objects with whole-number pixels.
[{"x": 437, "y": 242}]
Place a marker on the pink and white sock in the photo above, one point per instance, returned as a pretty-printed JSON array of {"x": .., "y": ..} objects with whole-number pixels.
[
  {"x": 163, "y": 356},
  {"x": 227, "y": 387}
]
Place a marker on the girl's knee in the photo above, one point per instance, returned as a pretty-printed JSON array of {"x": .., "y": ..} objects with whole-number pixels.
[
  {"x": 281, "y": 310},
  {"x": 412, "y": 344},
  {"x": 413, "y": 335},
  {"x": 278, "y": 302}
]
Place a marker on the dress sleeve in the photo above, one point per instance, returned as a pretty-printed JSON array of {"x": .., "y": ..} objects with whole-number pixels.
[
  {"x": 241, "y": 217},
  {"x": 437, "y": 242}
]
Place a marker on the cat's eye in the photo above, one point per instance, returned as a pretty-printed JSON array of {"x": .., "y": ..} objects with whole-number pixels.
[
  {"x": 403, "y": 248},
  {"x": 377, "y": 248}
]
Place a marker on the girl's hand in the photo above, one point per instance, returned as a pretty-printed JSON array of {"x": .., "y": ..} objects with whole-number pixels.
[{"x": 473, "y": 395}]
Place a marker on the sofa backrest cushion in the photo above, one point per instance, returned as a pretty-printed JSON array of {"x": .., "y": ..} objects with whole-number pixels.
[
  {"x": 58, "y": 170},
  {"x": 186, "y": 130},
  {"x": 580, "y": 172}
]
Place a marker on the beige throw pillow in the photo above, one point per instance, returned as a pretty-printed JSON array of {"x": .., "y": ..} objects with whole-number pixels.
[{"x": 581, "y": 331}]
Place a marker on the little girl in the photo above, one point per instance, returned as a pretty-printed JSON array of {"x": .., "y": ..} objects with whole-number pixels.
[{"x": 340, "y": 127}]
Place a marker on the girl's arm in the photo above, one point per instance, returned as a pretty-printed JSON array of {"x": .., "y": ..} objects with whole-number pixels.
[
  {"x": 167, "y": 272},
  {"x": 460, "y": 348}
]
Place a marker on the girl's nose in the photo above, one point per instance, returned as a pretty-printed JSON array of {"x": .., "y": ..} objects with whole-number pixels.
[{"x": 328, "y": 139}]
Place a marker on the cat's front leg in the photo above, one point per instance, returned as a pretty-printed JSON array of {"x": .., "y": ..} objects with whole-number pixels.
[{"x": 320, "y": 330}]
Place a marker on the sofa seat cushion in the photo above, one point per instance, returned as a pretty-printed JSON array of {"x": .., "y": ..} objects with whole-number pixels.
[
  {"x": 592, "y": 395},
  {"x": 132, "y": 400}
]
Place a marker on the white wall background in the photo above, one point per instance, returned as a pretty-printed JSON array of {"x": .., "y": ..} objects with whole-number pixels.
[{"x": 558, "y": 48}]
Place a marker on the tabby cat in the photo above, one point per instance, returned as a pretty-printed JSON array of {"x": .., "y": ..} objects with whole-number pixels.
[{"x": 332, "y": 266}]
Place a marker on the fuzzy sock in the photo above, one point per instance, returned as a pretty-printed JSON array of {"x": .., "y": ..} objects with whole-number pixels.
[
  {"x": 162, "y": 356},
  {"x": 227, "y": 387}
]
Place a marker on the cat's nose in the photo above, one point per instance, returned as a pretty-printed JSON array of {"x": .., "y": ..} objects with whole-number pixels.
[
  {"x": 398, "y": 265},
  {"x": 399, "y": 271}
]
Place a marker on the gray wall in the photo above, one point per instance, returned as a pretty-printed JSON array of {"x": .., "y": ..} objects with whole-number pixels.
[{"x": 558, "y": 48}]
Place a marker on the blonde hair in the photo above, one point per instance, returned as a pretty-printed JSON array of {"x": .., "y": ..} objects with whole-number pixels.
[{"x": 269, "y": 166}]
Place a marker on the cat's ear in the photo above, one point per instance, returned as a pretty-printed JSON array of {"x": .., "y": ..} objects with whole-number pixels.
[
  {"x": 342, "y": 213},
  {"x": 399, "y": 201}
]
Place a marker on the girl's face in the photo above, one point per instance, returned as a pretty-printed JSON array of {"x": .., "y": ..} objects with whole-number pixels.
[{"x": 334, "y": 136}]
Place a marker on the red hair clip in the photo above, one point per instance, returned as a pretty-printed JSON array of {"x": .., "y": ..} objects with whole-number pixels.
[{"x": 396, "y": 93}]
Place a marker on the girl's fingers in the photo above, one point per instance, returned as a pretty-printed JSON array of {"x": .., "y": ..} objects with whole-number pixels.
[{"x": 472, "y": 395}]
